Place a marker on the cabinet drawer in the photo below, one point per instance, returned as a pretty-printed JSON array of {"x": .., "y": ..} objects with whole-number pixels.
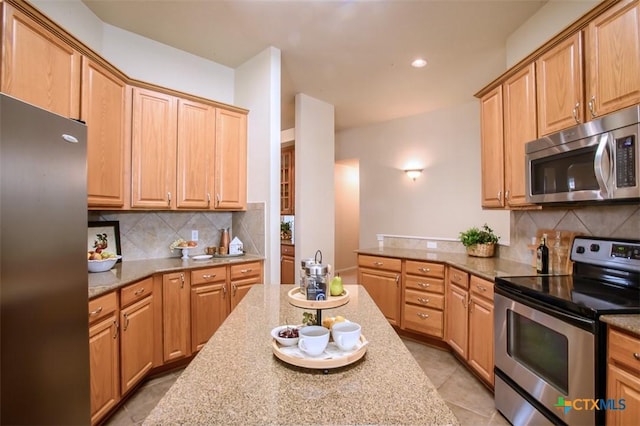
[
  {"x": 423, "y": 320},
  {"x": 287, "y": 250},
  {"x": 481, "y": 287},
  {"x": 244, "y": 270},
  {"x": 377, "y": 262},
  {"x": 624, "y": 349},
  {"x": 458, "y": 277},
  {"x": 423, "y": 298},
  {"x": 136, "y": 291},
  {"x": 102, "y": 306},
  {"x": 434, "y": 285},
  {"x": 427, "y": 269},
  {"x": 208, "y": 275}
]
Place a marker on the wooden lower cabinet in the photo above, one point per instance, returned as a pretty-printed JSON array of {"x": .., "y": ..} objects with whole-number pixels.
[
  {"x": 469, "y": 311},
  {"x": 242, "y": 278},
  {"x": 287, "y": 264},
  {"x": 176, "y": 316},
  {"x": 623, "y": 377},
  {"x": 423, "y": 298},
  {"x": 104, "y": 360},
  {"x": 380, "y": 276},
  {"x": 136, "y": 336},
  {"x": 209, "y": 304}
]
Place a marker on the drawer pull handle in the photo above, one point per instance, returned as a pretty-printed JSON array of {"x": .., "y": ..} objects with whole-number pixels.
[
  {"x": 424, "y": 270},
  {"x": 246, "y": 271},
  {"x": 96, "y": 312},
  {"x": 636, "y": 355},
  {"x": 482, "y": 288},
  {"x": 207, "y": 276},
  {"x": 126, "y": 322},
  {"x": 139, "y": 292},
  {"x": 423, "y": 316},
  {"x": 378, "y": 263},
  {"x": 423, "y": 285},
  {"x": 116, "y": 329},
  {"x": 423, "y": 300},
  {"x": 456, "y": 277}
]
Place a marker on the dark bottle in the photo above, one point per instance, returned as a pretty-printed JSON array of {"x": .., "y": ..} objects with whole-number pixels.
[{"x": 542, "y": 256}]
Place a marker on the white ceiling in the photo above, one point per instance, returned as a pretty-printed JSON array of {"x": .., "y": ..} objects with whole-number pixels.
[{"x": 352, "y": 54}]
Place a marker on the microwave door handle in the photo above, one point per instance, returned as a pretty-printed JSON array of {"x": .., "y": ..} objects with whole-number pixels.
[{"x": 602, "y": 165}]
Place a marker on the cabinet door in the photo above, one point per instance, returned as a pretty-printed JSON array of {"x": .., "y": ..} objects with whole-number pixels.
[
  {"x": 104, "y": 367},
  {"x": 208, "y": 311},
  {"x": 136, "y": 342},
  {"x": 175, "y": 316},
  {"x": 481, "y": 337},
  {"x": 492, "y": 149},
  {"x": 153, "y": 149},
  {"x": 623, "y": 384},
  {"x": 287, "y": 270},
  {"x": 520, "y": 127},
  {"x": 240, "y": 288},
  {"x": 457, "y": 319},
  {"x": 231, "y": 160},
  {"x": 287, "y": 179},
  {"x": 560, "y": 87},
  {"x": 384, "y": 289},
  {"x": 613, "y": 59},
  {"x": 106, "y": 108},
  {"x": 38, "y": 67},
  {"x": 196, "y": 149}
]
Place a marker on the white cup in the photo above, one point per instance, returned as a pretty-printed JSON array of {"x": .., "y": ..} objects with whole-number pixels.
[
  {"x": 313, "y": 339},
  {"x": 346, "y": 334}
]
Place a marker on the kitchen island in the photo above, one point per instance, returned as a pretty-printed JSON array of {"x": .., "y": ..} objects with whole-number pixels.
[{"x": 236, "y": 379}]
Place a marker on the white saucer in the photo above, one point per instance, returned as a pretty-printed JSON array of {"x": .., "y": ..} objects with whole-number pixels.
[{"x": 202, "y": 257}]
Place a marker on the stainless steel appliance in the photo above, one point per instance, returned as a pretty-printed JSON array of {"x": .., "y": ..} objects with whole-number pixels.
[
  {"x": 43, "y": 267},
  {"x": 595, "y": 161},
  {"x": 550, "y": 345}
]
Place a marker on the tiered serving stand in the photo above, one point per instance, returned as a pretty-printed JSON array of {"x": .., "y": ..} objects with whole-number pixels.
[{"x": 298, "y": 299}]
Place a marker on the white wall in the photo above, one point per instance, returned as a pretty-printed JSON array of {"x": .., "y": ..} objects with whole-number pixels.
[
  {"x": 445, "y": 199},
  {"x": 347, "y": 238},
  {"x": 550, "y": 20},
  {"x": 258, "y": 89},
  {"x": 314, "y": 189}
]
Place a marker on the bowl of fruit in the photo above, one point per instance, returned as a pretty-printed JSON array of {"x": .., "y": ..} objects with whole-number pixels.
[
  {"x": 101, "y": 261},
  {"x": 286, "y": 335}
]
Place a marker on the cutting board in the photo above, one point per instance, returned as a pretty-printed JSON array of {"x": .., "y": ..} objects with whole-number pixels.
[{"x": 566, "y": 241}]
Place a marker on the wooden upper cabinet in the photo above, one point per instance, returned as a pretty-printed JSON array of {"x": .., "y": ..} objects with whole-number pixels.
[
  {"x": 231, "y": 160},
  {"x": 520, "y": 127},
  {"x": 560, "y": 86},
  {"x": 287, "y": 179},
  {"x": 106, "y": 108},
  {"x": 153, "y": 149},
  {"x": 196, "y": 153},
  {"x": 492, "y": 155},
  {"x": 38, "y": 67},
  {"x": 613, "y": 59}
]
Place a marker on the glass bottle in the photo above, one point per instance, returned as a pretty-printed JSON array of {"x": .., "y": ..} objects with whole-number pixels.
[
  {"x": 556, "y": 264},
  {"x": 542, "y": 256}
]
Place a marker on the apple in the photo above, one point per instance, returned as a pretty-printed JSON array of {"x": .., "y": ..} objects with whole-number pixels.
[{"x": 335, "y": 288}]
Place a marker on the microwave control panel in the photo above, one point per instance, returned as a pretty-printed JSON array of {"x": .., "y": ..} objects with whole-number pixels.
[{"x": 626, "y": 162}]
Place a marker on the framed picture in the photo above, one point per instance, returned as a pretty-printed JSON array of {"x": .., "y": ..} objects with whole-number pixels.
[{"x": 104, "y": 235}]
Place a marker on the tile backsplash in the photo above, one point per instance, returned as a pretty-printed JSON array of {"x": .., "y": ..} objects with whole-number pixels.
[
  {"x": 617, "y": 221},
  {"x": 148, "y": 234}
]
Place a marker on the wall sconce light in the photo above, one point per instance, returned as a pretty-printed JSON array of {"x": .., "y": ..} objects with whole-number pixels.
[{"x": 413, "y": 173}]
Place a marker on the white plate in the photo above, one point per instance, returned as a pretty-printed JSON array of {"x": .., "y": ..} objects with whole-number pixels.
[{"x": 202, "y": 257}]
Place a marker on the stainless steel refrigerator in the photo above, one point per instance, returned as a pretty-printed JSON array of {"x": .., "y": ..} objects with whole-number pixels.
[{"x": 44, "y": 340}]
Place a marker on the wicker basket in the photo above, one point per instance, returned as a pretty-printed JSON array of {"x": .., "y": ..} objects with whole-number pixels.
[{"x": 481, "y": 250}]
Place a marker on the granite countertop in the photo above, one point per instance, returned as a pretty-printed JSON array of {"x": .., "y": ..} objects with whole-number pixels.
[
  {"x": 127, "y": 272},
  {"x": 236, "y": 379},
  {"x": 630, "y": 323},
  {"x": 485, "y": 267}
]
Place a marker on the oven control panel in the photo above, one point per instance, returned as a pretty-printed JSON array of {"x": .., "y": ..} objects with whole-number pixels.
[{"x": 623, "y": 254}]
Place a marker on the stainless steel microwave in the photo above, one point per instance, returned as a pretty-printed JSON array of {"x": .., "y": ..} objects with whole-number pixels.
[{"x": 594, "y": 161}]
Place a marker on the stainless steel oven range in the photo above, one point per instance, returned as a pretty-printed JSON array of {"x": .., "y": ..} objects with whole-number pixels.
[{"x": 550, "y": 346}]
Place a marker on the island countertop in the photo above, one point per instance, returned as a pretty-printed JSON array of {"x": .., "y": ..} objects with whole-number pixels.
[{"x": 236, "y": 379}]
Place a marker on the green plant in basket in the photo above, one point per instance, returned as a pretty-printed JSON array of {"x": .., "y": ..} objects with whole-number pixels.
[{"x": 475, "y": 235}]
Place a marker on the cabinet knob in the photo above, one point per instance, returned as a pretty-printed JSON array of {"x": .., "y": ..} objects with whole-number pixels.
[
  {"x": 423, "y": 300},
  {"x": 636, "y": 355},
  {"x": 423, "y": 316},
  {"x": 378, "y": 264},
  {"x": 424, "y": 270},
  {"x": 423, "y": 285}
]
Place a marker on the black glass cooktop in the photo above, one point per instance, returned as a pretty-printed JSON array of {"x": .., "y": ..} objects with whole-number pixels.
[{"x": 583, "y": 296}]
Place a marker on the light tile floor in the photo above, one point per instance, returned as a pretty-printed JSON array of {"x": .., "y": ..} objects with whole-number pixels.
[{"x": 470, "y": 401}]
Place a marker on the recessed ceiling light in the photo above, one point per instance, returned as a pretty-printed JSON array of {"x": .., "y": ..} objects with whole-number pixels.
[{"x": 419, "y": 63}]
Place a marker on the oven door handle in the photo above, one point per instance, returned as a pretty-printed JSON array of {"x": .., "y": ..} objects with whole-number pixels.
[{"x": 602, "y": 165}]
